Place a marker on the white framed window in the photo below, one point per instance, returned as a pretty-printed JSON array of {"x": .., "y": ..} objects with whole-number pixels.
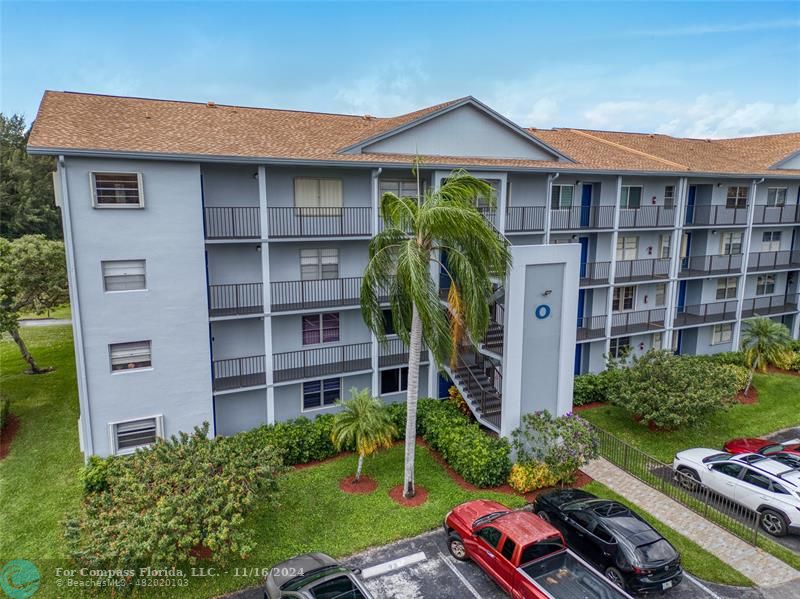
[
  {"x": 402, "y": 188},
  {"x": 320, "y": 197},
  {"x": 562, "y": 196},
  {"x": 123, "y": 275},
  {"x": 658, "y": 341},
  {"x": 726, "y": 288},
  {"x": 394, "y": 380},
  {"x": 631, "y": 198},
  {"x": 619, "y": 346},
  {"x": 737, "y": 197},
  {"x": 660, "y": 295},
  {"x": 770, "y": 241},
  {"x": 669, "y": 196},
  {"x": 664, "y": 245},
  {"x": 776, "y": 196},
  {"x": 765, "y": 285},
  {"x": 319, "y": 263},
  {"x": 130, "y": 356},
  {"x": 730, "y": 243},
  {"x": 321, "y": 394},
  {"x": 624, "y": 299},
  {"x": 117, "y": 190},
  {"x": 129, "y": 435},
  {"x": 722, "y": 333},
  {"x": 627, "y": 248}
]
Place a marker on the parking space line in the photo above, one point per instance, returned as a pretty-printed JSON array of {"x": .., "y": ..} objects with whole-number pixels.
[
  {"x": 460, "y": 576},
  {"x": 395, "y": 564},
  {"x": 701, "y": 585}
]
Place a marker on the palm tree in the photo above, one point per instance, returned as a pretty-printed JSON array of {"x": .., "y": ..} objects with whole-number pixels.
[
  {"x": 364, "y": 424},
  {"x": 764, "y": 342},
  {"x": 417, "y": 231}
]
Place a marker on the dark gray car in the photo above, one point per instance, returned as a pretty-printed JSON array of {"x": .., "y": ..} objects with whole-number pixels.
[{"x": 314, "y": 576}]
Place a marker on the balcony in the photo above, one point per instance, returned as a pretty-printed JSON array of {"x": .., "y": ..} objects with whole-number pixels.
[
  {"x": 240, "y": 222},
  {"x": 319, "y": 222},
  {"x": 525, "y": 219},
  {"x": 322, "y": 361},
  {"x": 591, "y": 327},
  {"x": 646, "y": 217},
  {"x": 781, "y": 260},
  {"x": 776, "y": 215},
  {"x": 582, "y": 217},
  {"x": 236, "y": 373},
  {"x": 313, "y": 294},
  {"x": 647, "y": 269},
  {"x": 594, "y": 273},
  {"x": 705, "y": 215},
  {"x": 770, "y": 305},
  {"x": 627, "y": 323},
  {"x": 395, "y": 353},
  {"x": 235, "y": 299},
  {"x": 700, "y": 266},
  {"x": 698, "y": 314}
]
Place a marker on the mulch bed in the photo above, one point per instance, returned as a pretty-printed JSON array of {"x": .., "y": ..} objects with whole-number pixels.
[
  {"x": 750, "y": 398},
  {"x": 7, "y": 434},
  {"x": 773, "y": 370},
  {"x": 420, "y": 496},
  {"x": 362, "y": 487},
  {"x": 589, "y": 406},
  {"x": 201, "y": 552}
]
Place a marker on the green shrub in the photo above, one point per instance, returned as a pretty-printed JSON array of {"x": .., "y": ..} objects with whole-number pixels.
[
  {"x": 590, "y": 388},
  {"x": 94, "y": 475},
  {"x": 5, "y": 406},
  {"x": 531, "y": 476},
  {"x": 298, "y": 441},
  {"x": 795, "y": 363},
  {"x": 740, "y": 373},
  {"x": 734, "y": 358}
]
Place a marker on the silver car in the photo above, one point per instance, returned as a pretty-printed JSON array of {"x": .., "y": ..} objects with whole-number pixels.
[{"x": 314, "y": 576}]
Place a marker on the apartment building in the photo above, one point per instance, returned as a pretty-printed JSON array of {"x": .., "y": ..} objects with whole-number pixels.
[{"x": 215, "y": 252}]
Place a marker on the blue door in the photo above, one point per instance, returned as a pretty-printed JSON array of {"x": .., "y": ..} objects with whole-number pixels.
[
  {"x": 578, "y": 352},
  {"x": 681, "y": 296},
  {"x": 581, "y": 302},
  {"x": 584, "y": 241},
  {"x": 586, "y": 202},
  {"x": 690, "y": 204},
  {"x": 444, "y": 385}
]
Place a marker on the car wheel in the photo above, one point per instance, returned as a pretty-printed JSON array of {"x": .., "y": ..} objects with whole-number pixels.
[
  {"x": 615, "y": 576},
  {"x": 688, "y": 479},
  {"x": 456, "y": 547},
  {"x": 774, "y": 523},
  {"x": 543, "y": 515}
]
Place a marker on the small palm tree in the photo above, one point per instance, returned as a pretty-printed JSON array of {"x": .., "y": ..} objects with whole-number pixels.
[
  {"x": 764, "y": 342},
  {"x": 364, "y": 424},
  {"x": 417, "y": 232}
]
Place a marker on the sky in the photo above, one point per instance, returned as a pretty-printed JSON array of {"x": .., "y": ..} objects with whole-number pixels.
[{"x": 697, "y": 69}]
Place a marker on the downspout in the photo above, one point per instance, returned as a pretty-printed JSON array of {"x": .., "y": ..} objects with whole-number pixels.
[
  {"x": 751, "y": 207},
  {"x": 548, "y": 214}
]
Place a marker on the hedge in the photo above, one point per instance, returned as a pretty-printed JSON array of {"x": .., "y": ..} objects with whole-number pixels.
[{"x": 299, "y": 441}]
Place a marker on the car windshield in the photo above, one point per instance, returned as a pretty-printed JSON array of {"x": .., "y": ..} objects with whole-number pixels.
[
  {"x": 654, "y": 553},
  {"x": 768, "y": 449},
  {"x": 538, "y": 550},
  {"x": 717, "y": 457}
]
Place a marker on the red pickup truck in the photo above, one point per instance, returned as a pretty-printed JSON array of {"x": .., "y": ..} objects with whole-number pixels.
[{"x": 524, "y": 554}]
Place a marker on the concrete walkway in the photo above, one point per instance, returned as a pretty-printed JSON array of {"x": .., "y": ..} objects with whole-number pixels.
[
  {"x": 762, "y": 568},
  {"x": 45, "y": 322}
]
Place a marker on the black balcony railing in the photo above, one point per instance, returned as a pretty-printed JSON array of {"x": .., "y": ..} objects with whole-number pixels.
[
  {"x": 776, "y": 215},
  {"x": 235, "y": 299},
  {"x": 320, "y": 222},
  {"x": 582, "y": 217},
  {"x": 696, "y": 314},
  {"x": 591, "y": 327},
  {"x": 240, "y": 222},
  {"x": 394, "y": 353},
  {"x": 646, "y": 217},
  {"x": 770, "y": 305},
  {"x": 624, "y": 323},
  {"x": 784, "y": 259},
  {"x": 698, "y": 266},
  {"x": 521, "y": 219},
  {"x": 321, "y": 361},
  {"x": 641, "y": 270},
  {"x": 235, "y": 373},
  {"x": 705, "y": 215},
  {"x": 594, "y": 273},
  {"x": 321, "y": 293}
]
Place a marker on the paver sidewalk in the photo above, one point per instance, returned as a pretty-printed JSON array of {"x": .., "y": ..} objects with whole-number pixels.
[{"x": 762, "y": 568}]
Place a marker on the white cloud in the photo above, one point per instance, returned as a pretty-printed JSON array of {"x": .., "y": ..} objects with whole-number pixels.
[{"x": 711, "y": 28}]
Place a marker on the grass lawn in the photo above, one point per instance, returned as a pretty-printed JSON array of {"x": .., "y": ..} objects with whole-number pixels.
[
  {"x": 695, "y": 559},
  {"x": 64, "y": 311}
]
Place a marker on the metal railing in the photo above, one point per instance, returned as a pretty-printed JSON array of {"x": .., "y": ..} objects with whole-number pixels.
[
  {"x": 594, "y": 273},
  {"x": 234, "y": 373},
  {"x": 646, "y": 217},
  {"x": 582, "y": 217},
  {"x": 235, "y": 299},
  {"x": 775, "y": 215},
  {"x": 624, "y": 323},
  {"x": 591, "y": 327},
  {"x": 692, "y": 266},
  {"x": 394, "y": 352},
  {"x": 773, "y": 260},
  {"x": 320, "y": 222},
  {"x": 705, "y": 215},
  {"x": 769, "y": 305},
  {"x": 704, "y": 313},
  {"x": 321, "y": 361},
  {"x": 239, "y": 222},
  {"x": 483, "y": 394},
  {"x": 521, "y": 219},
  {"x": 319, "y": 293},
  {"x": 641, "y": 270}
]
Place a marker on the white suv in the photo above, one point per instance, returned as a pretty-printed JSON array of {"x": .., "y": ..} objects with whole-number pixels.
[{"x": 765, "y": 485}]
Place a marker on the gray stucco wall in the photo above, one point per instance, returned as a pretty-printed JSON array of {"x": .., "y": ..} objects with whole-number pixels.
[
  {"x": 284, "y": 258},
  {"x": 289, "y": 398}
]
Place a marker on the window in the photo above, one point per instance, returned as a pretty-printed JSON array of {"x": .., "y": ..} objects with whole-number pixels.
[
  {"x": 130, "y": 356},
  {"x": 765, "y": 285},
  {"x": 669, "y": 196},
  {"x": 123, "y": 275},
  {"x": 776, "y": 196},
  {"x": 658, "y": 340},
  {"x": 623, "y": 298},
  {"x": 756, "y": 479},
  {"x": 320, "y": 328},
  {"x": 132, "y": 434},
  {"x": 320, "y": 394},
  {"x": 731, "y": 243},
  {"x": 664, "y": 245},
  {"x": 618, "y": 347},
  {"x": 661, "y": 294},
  {"x": 117, "y": 190},
  {"x": 737, "y": 197},
  {"x": 400, "y": 188},
  {"x": 726, "y": 288},
  {"x": 582, "y": 519},
  {"x": 602, "y": 533},
  {"x": 491, "y": 535},
  {"x": 631, "y": 197},
  {"x": 394, "y": 380},
  {"x": 388, "y": 322},
  {"x": 561, "y": 196},
  {"x": 341, "y": 587},
  {"x": 319, "y": 263},
  {"x": 508, "y": 548},
  {"x": 732, "y": 470},
  {"x": 627, "y": 248},
  {"x": 770, "y": 241},
  {"x": 536, "y": 550},
  {"x": 322, "y": 197},
  {"x": 722, "y": 333}
]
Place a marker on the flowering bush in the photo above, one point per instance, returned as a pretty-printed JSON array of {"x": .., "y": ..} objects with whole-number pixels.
[
  {"x": 458, "y": 401},
  {"x": 531, "y": 476}
]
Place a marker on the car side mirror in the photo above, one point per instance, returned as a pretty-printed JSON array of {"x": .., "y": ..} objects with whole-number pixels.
[{"x": 356, "y": 571}]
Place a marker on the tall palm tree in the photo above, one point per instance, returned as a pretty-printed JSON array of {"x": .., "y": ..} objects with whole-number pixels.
[
  {"x": 764, "y": 342},
  {"x": 363, "y": 423},
  {"x": 417, "y": 231}
]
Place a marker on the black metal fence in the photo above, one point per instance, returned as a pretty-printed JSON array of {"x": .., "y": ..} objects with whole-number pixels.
[
  {"x": 646, "y": 217},
  {"x": 594, "y": 273},
  {"x": 591, "y": 327},
  {"x": 624, "y": 323},
  {"x": 774, "y": 215},
  {"x": 322, "y": 361},
  {"x": 395, "y": 353},
  {"x": 237, "y": 298},
  {"x": 645, "y": 269},
  {"x": 693, "y": 266},
  {"x": 320, "y": 222},
  {"x": 694, "y": 314},
  {"x": 232, "y": 222},
  {"x": 521, "y": 219},
  {"x": 234, "y": 373},
  {"x": 706, "y": 215},
  {"x": 317, "y": 293},
  {"x": 582, "y": 217},
  {"x": 773, "y": 260}
]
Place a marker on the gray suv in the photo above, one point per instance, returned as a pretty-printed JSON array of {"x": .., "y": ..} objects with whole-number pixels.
[{"x": 314, "y": 576}]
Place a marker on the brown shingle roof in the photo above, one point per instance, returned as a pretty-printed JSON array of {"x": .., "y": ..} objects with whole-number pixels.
[{"x": 87, "y": 122}]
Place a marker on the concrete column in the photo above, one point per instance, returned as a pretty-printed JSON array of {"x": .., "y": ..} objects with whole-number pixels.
[
  {"x": 548, "y": 215},
  {"x": 612, "y": 269},
  {"x": 267, "y": 292},
  {"x": 375, "y": 348},
  {"x": 746, "y": 239},
  {"x": 675, "y": 258},
  {"x": 502, "y": 203}
]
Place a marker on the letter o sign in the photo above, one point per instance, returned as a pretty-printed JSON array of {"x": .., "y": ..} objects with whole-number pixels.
[{"x": 542, "y": 311}]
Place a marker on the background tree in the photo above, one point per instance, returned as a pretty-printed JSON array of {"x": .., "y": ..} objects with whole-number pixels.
[
  {"x": 33, "y": 278},
  {"x": 764, "y": 342},
  {"x": 416, "y": 232},
  {"x": 26, "y": 186},
  {"x": 363, "y": 423}
]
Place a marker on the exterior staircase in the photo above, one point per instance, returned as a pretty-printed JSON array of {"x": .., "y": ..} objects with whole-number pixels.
[{"x": 478, "y": 380}]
